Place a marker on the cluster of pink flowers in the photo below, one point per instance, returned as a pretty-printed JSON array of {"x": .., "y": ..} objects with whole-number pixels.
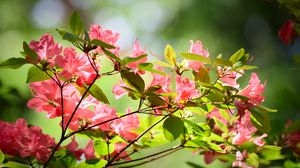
[
  {"x": 60, "y": 98},
  {"x": 90, "y": 111},
  {"x": 242, "y": 131},
  {"x": 68, "y": 95},
  {"x": 20, "y": 140}
]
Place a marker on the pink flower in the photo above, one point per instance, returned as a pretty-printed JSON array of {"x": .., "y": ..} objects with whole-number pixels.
[
  {"x": 258, "y": 140},
  {"x": 292, "y": 139},
  {"x": 124, "y": 126},
  {"x": 47, "y": 97},
  {"x": 82, "y": 117},
  {"x": 244, "y": 130},
  {"x": 74, "y": 65},
  {"x": 254, "y": 90},
  {"x": 73, "y": 147},
  {"x": 103, "y": 113},
  {"x": 161, "y": 80},
  {"x": 118, "y": 89},
  {"x": 137, "y": 51},
  {"x": 209, "y": 157},
  {"x": 216, "y": 113},
  {"x": 118, "y": 147},
  {"x": 185, "y": 89},
  {"x": 107, "y": 36},
  {"x": 229, "y": 77},
  {"x": 19, "y": 139},
  {"x": 239, "y": 160},
  {"x": 89, "y": 151},
  {"x": 287, "y": 32},
  {"x": 46, "y": 49},
  {"x": 196, "y": 48}
]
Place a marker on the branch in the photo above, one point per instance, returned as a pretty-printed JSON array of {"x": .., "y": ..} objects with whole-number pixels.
[
  {"x": 77, "y": 106},
  {"x": 170, "y": 151},
  {"x": 149, "y": 156},
  {"x": 132, "y": 142}
]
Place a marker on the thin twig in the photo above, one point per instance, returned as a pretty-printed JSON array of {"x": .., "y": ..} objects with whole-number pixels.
[
  {"x": 149, "y": 156},
  {"x": 156, "y": 158},
  {"x": 132, "y": 142}
]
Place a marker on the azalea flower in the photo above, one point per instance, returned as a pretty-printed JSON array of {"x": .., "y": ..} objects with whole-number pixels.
[
  {"x": 196, "y": 48},
  {"x": 137, "y": 51},
  {"x": 46, "y": 49},
  {"x": 185, "y": 89},
  {"x": 107, "y": 36},
  {"x": 19, "y": 139},
  {"x": 124, "y": 126}
]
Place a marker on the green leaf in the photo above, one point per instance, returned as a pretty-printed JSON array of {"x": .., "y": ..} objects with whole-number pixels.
[
  {"x": 2, "y": 157},
  {"x": 69, "y": 36},
  {"x": 95, "y": 163},
  {"x": 265, "y": 109},
  {"x": 92, "y": 134},
  {"x": 97, "y": 93},
  {"x": 76, "y": 23},
  {"x": 13, "y": 63},
  {"x": 237, "y": 55},
  {"x": 260, "y": 119},
  {"x": 198, "y": 143},
  {"x": 225, "y": 115},
  {"x": 63, "y": 158},
  {"x": 156, "y": 100},
  {"x": 216, "y": 138},
  {"x": 161, "y": 63},
  {"x": 102, "y": 148},
  {"x": 149, "y": 67},
  {"x": 196, "y": 57},
  {"x": 134, "y": 80},
  {"x": 253, "y": 159},
  {"x": 215, "y": 147},
  {"x": 246, "y": 67},
  {"x": 200, "y": 129},
  {"x": 220, "y": 125},
  {"x": 237, "y": 64},
  {"x": 272, "y": 154},
  {"x": 111, "y": 55},
  {"x": 226, "y": 158},
  {"x": 272, "y": 147},
  {"x": 11, "y": 164},
  {"x": 153, "y": 89},
  {"x": 102, "y": 44},
  {"x": 291, "y": 164},
  {"x": 170, "y": 55},
  {"x": 29, "y": 52},
  {"x": 35, "y": 75},
  {"x": 222, "y": 61},
  {"x": 173, "y": 128},
  {"x": 240, "y": 97},
  {"x": 133, "y": 93},
  {"x": 128, "y": 60},
  {"x": 202, "y": 75},
  {"x": 215, "y": 96}
]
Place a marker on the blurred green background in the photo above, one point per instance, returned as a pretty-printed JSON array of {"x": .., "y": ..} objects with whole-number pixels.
[{"x": 223, "y": 26}]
